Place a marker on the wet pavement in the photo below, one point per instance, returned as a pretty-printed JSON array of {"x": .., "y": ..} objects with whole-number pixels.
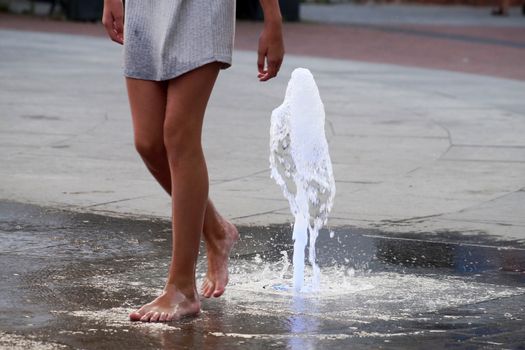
[{"x": 69, "y": 279}]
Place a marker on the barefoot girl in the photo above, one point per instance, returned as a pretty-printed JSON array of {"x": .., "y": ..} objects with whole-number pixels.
[{"x": 173, "y": 51}]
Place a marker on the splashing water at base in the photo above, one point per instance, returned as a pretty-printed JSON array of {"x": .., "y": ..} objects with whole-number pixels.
[
  {"x": 269, "y": 276},
  {"x": 300, "y": 164}
]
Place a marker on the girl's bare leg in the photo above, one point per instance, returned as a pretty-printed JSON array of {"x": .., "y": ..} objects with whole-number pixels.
[
  {"x": 185, "y": 102},
  {"x": 148, "y": 106}
]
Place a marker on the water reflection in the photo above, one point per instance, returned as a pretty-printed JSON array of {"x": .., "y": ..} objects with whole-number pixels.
[
  {"x": 302, "y": 324},
  {"x": 379, "y": 253}
]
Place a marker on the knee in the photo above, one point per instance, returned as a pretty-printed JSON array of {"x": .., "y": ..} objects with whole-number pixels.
[
  {"x": 150, "y": 149},
  {"x": 181, "y": 142}
]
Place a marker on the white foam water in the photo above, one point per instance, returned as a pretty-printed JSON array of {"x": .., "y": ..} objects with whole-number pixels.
[{"x": 300, "y": 163}]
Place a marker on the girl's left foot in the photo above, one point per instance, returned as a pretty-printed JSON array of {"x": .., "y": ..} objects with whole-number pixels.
[{"x": 172, "y": 304}]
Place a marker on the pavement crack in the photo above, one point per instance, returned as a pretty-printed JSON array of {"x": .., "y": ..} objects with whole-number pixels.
[
  {"x": 359, "y": 182},
  {"x": 258, "y": 214},
  {"x": 489, "y": 201},
  {"x": 116, "y": 201},
  {"x": 449, "y": 137},
  {"x": 410, "y": 220},
  {"x": 218, "y": 182},
  {"x": 331, "y": 128},
  {"x": 413, "y": 170},
  {"x": 483, "y": 160},
  {"x": 490, "y": 146},
  {"x": 85, "y": 132}
]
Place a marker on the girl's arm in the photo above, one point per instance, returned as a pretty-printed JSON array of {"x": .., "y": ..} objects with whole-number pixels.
[
  {"x": 113, "y": 20},
  {"x": 271, "y": 44}
]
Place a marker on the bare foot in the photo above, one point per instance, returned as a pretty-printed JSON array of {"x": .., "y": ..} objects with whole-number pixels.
[
  {"x": 172, "y": 304},
  {"x": 218, "y": 247}
]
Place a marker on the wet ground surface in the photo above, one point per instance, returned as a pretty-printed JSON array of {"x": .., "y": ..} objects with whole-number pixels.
[{"x": 69, "y": 281}]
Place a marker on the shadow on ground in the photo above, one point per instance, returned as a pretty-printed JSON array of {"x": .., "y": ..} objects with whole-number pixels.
[{"x": 69, "y": 281}]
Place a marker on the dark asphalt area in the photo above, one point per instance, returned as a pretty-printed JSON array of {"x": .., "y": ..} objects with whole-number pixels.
[{"x": 69, "y": 279}]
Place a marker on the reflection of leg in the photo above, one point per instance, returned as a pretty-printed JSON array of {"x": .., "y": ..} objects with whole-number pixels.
[
  {"x": 187, "y": 97},
  {"x": 148, "y": 106}
]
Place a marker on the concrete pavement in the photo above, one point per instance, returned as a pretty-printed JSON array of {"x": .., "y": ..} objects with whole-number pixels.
[{"x": 414, "y": 150}]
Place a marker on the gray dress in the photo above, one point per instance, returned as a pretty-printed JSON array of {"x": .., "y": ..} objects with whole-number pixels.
[{"x": 166, "y": 38}]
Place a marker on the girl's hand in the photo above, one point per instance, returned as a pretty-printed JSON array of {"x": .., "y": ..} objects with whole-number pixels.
[
  {"x": 271, "y": 47},
  {"x": 113, "y": 20}
]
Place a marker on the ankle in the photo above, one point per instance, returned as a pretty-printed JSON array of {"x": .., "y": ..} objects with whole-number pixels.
[
  {"x": 214, "y": 229},
  {"x": 189, "y": 291}
]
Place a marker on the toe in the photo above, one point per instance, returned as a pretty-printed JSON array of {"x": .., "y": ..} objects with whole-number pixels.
[
  {"x": 169, "y": 316},
  {"x": 205, "y": 283},
  {"x": 218, "y": 291},
  {"x": 163, "y": 316},
  {"x": 207, "y": 293},
  {"x": 208, "y": 289},
  {"x": 154, "y": 317},
  {"x": 136, "y": 315},
  {"x": 146, "y": 316},
  {"x": 204, "y": 286}
]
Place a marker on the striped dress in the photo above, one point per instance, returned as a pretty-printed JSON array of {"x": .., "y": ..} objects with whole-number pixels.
[{"x": 166, "y": 38}]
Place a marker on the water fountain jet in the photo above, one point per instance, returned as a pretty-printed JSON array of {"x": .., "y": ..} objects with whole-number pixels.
[{"x": 300, "y": 164}]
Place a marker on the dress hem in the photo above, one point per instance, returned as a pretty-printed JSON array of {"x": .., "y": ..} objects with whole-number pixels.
[{"x": 226, "y": 63}]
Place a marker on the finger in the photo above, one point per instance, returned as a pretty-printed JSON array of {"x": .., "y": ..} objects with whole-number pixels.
[
  {"x": 270, "y": 72},
  {"x": 112, "y": 34},
  {"x": 264, "y": 77},
  {"x": 107, "y": 21},
  {"x": 260, "y": 61},
  {"x": 272, "y": 68},
  {"x": 118, "y": 20},
  {"x": 279, "y": 65},
  {"x": 119, "y": 36}
]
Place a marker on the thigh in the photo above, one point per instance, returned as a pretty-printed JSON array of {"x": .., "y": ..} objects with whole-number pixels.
[
  {"x": 147, "y": 101},
  {"x": 188, "y": 97}
]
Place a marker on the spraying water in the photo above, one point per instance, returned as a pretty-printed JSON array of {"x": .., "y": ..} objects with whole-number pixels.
[{"x": 300, "y": 164}]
